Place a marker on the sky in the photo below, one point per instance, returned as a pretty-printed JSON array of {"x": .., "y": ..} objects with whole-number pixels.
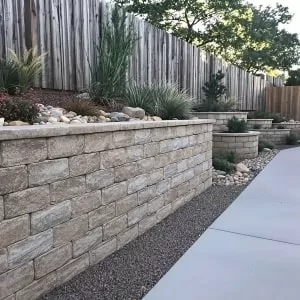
[{"x": 294, "y": 6}]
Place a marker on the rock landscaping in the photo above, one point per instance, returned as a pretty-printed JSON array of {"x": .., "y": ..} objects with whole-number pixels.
[{"x": 245, "y": 171}]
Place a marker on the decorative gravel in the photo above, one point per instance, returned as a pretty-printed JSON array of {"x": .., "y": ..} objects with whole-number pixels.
[{"x": 132, "y": 271}]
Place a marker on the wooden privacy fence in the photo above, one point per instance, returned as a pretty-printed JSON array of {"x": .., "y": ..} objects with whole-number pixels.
[
  {"x": 68, "y": 31},
  {"x": 284, "y": 100}
]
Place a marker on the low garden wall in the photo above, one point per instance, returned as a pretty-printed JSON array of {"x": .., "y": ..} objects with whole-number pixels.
[
  {"x": 275, "y": 136},
  {"x": 221, "y": 118},
  {"x": 72, "y": 195},
  {"x": 264, "y": 123},
  {"x": 244, "y": 145},
  {"x": 287, "y": 125}
]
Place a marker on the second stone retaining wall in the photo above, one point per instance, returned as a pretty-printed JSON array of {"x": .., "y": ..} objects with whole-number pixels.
[
  {"x": 70, "y": 196},
  {"x": 275, "y": 136}
]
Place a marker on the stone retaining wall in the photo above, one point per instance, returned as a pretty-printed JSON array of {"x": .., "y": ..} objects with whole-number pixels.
[
  {"x": 72, "y": 195},
  {"x": 275, "y": 136},
  {"x": 287, "y": 125},
  {"x": 221, "y": 118},
  {"x": 264, "y": 123},
  {"x": 245, "y": 145}
]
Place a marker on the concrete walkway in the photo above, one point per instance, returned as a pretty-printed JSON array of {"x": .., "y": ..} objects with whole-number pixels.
[{"x": 252, "y": 251}]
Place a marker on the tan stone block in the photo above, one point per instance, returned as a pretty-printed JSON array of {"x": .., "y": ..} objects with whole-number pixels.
[
  {"x": 227, "y": 139},
  {"x": 163, "y": 160},
  {"x": 3, "y": 261},
  {"x": 180, "y": 201},
  {"x": 170, "y": 196},
  {"x": 14, "y": 280},
  {"x": 158, "y": 134},
  {"x": 250, "y": 144},
  {"x": 142, "y": 136},
  {"x": 134, "y": 153},
  {"x": 98, "y": 142},
  {"x": 182, "y": 177},
  {"x": 123, "y": 138},
  {"x": 199, "y": 169},
  {"x": 163, "y": 212},
  {"x": 200, "y": 138},
  {"x": 127, "y": 236},
  {"x": 126, "y": 204},
  {"x": 52, "y": 260},
  {"x": 163, "y": 186},
  {"x": 67, "y": 189},
  {"x": 88, "y": 241},
  {"x": 137, "y": 214},
  {"x": 64, "y": 146},
  {"x": 155, "y": 176},
  {"x": 102, "y": 215},
  {"x": 114, "y": 192},
  {"x": 48, "y": 171},
  {"x": 127, "y": 171},
  {"x": 26, "y": 201},
  {"x": 146, "y": 194},
  {"x": 185, "y": 187},
  {"x": 113, "y": 158},
  {"x": 14, "y": 230},
  {"x": 182, "y": 165},
  {"x": 181, "y": 131},
  {"x": 84, "y": 164},
  {"x": 85, "y": 203},
  {"x": 28, "y": 249},
  {"x": 102, "y": 251},
  {"x": 170, "y": 170},
  {"x": 13, "y": 179},
  {"x": 16, "y": 152},
  {"x": 71, "y": 230},
  {"x": 193, "y": 140},
  {"x": 196, "y": 160},
  {"x": 146, "y": 165},
  {"x": 72, "y": 268},
  {"x": 38, "y": 288},
  {"x": 155, "y": 204},
  {"x": 50, "y": 217},
  {"x": 151, "y": 149},
  {"x": 100, "y": 179},
  {"x": 147, "y": 223},
  {"x": 1, "y": 209},
  {"x": 114, "y": 227},
  {"x": 137, "y": 183}
]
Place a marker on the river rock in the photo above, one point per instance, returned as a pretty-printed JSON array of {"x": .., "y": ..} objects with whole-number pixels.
[
  {"x": 17, "y": 123},
  {"x": 134, "y": 112},
  {"x": 119, "y": 117},
  {"x": 65, "y": 119},
  {"x": 242, "y": 168},
  {"x": 1, "y": 121},
  {"x": 83, "y": 96},
  {"x": 155, "y": 118}
]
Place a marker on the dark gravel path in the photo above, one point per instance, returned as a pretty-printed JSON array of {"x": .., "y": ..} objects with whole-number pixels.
[{"x": 132, "y": 271}]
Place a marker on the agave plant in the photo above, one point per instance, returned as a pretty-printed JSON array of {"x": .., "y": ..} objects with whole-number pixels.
[{"x": 29, "y": 66}]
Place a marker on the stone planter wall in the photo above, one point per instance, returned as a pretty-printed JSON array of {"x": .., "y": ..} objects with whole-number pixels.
[
  {"x": 245, "y": 145},
  {"x": 264, "y": 123},
  {"x": 221, "y": 118},
  {"x": 276, "y": 136},
  {"x": 72, "y": 195},
  {"x": 287, "y": 125}
]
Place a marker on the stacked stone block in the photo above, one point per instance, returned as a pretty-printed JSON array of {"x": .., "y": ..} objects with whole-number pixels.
[
  {"x": 275, "y": 136},
  {"x": 264, "y": 123},
  {"x": 69, "y": 197}
]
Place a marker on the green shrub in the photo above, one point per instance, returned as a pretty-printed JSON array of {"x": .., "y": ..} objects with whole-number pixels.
[
  {"x": 277, "y": 118},
  {"x": 83, "y": 107},
  {"x": 164, "y": 101},
  {"x": 262, "y": 144},
  {"x": 23, "y": 110},
  {"x": 230, "y": 156},
  {"x": 223, "y": 165},
  {"x": 291, "y": 139},
  {"x": 280, "y": 127},
  {"x": 260, "y": 114},
  {"x": 111, "y": 60},
  {"x": 9, "y": 77},
  {"x": 237, "y": 126},
  {"x": 256, "y": 126}
]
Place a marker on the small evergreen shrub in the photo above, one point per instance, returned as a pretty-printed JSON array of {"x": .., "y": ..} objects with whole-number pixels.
[
  {"x": 260, "y": 114},
  {"x": 230, "y": 156},
  {"x": 262, "y": 144},
  {"x": 291, "y": 139},
  {"x": 237, "y": 126},
  {"x": 82, "y": 107},
  {"x": 23, "y": 110},
  {"x": 256, "y": 126},
  {"x": 222, "y": 164}
]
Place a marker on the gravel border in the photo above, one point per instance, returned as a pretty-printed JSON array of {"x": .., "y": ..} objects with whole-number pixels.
[{"x": 133, "y": 270}]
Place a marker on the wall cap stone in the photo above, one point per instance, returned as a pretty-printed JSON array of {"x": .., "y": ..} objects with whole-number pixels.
[
  {"x": 259, "y": 120},
  {"x": 219, "y": 112},
  {"x": 273, "y": 130},
  {"x": 232, "y": 134},
  {"x": 35, "y": 131}
]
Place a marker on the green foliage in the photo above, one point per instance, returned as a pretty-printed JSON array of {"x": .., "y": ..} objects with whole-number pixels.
[
  {"x": 260, "y": 114},
  {"x": 111, "y": 59},
  {"x": 248, "y": 36},
  {"x": 29, "y": 66},
  {"x": 164, "y": 101},
  {"x": 222, "y": 164},
  {"x": 237, "y": 126},
  {"x": 23, "y": 110},
  {"x": 262, "y": 144},
  {"x": 9, "y": 78},
  {"x": 294, "y": 78},
  {"x": 277, "y": 118},
  {"x": 229, "y": 156},
  {"x": 280, "y": 127},
  {"x": 291, "y": 139},
  {"x": 82, "y": 107},
  {"x": 256, "y": 126}
]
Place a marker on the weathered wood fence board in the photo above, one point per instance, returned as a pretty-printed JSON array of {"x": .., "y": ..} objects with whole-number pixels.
[
  {"x": 284, "y": 100},
  {"x": 68, "y": 31}
]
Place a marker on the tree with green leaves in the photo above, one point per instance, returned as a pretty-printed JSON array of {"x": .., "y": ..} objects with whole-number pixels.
[
  {"x": 247, "y": 36},
  {"x": 294, "y": 78}
]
